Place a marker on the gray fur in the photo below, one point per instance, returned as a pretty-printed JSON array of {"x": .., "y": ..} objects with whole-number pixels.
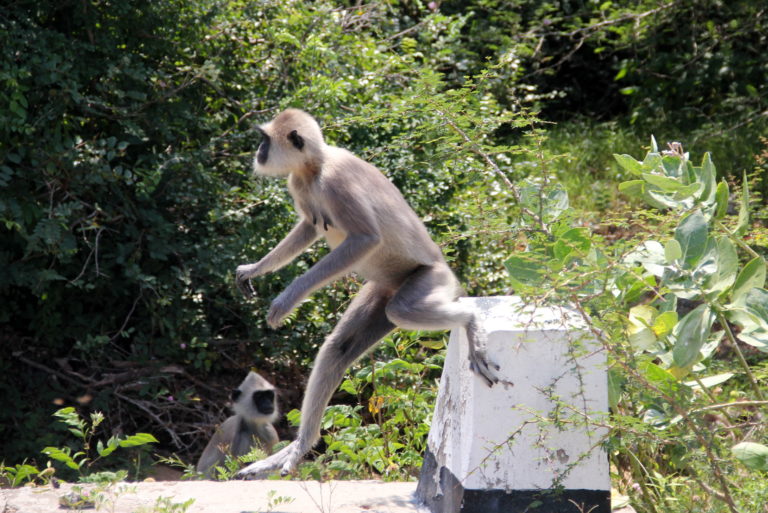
[
  {"x": 373, "y": 232},
  {"x": 242, "y": 431}
]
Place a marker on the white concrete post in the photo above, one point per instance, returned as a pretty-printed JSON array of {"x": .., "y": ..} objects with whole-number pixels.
[{"x": 532, "y": 442}]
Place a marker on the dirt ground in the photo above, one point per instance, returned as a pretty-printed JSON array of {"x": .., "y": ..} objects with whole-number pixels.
[{"x": 223, "y": 497}]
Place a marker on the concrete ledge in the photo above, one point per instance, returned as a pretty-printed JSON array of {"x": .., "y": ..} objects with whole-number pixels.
[{"x": 532, "y": 441}]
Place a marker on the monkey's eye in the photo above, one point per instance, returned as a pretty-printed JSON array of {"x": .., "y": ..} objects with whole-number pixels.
[{"x": 235, "y": 394}]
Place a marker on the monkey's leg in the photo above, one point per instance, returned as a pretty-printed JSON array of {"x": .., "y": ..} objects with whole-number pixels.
[
  {"x": 427, "y": 301},
  {"x": 362, "y": 325}
]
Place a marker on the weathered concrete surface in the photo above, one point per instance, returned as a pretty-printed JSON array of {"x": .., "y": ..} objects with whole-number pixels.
[
  {"x": 229, "y": 497},
  {"x": 499, "y": 449}
]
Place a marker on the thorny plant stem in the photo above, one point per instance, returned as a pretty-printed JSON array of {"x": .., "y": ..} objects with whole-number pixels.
[
  {"x": 739, "y": 242},
  {"x": 475, "y": 148},
  {"x": 740, "y": 355},
  {"x": 734, "y": 404}
]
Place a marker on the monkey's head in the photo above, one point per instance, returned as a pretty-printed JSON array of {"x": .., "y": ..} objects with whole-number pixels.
[
  {"x": 291, "y": 142},
  {"x": 255, "y": 399}
]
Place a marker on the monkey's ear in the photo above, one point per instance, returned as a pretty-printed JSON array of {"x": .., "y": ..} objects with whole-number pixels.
[
  {"x": 296, "y": 139},
  {"x": 235, "y": 394}
]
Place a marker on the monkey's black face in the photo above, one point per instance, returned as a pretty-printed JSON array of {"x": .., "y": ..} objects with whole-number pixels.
[
  {"x": 264, "y": 401},
  {"x": 262, "y": 155}
]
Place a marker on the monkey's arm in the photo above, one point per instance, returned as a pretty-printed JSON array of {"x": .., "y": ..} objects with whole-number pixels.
[
  {"x": 301, "y": 236},
  {"x": 333, "y": 265}
]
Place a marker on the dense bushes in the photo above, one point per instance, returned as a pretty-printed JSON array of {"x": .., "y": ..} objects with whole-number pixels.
[
  {"x": 125, "y": 200},
  {"x": 126, "y": 134}
]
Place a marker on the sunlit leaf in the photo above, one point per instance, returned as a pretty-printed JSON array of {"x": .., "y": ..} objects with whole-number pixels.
[
  {"x": 664, "y": 183},
  {"x": 664, "y": 323},
  {"x": 726, "y": 268},
  {"x": 629, "y": 163},
  {"x": 615, "y": 387},
  {"x": 710, "y": 381},
  {"x": 743, "y": 223},
  {"x": 751, "y": 276},
  {"x": 721, "y": 200},
  {"x": 524, "y": 271},
  {"x": 752, "y": 455},
  {"x": 691, "y": 233},
  {"x": 575, "y": 240},
  {"x": 137, "y": 440},
  {"x": 690, "y": 334},
  {"x": 641, "y": 336},
  {"x": 672, "y": 251},
  {"x": 633, "y": 188}
]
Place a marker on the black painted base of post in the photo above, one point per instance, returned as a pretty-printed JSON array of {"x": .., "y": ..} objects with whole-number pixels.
[{"x": 456, "y": 499}]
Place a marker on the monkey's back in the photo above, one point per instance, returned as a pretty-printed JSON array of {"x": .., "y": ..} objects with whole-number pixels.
[{"x": 404, "y": 243}]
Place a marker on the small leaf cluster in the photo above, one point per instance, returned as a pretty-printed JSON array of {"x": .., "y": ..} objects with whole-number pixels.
[{"x": 82, "y": 459}]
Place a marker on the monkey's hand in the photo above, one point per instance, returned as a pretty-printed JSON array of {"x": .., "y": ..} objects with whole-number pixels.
[
  {"x": 243, "y": 276},
  {"x": 285, "y": 460},
  {"x": 280, "y": 308}
]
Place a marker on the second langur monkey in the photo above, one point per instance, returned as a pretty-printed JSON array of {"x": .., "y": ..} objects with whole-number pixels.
[
  {"x": 373, "y": 232},
  {"x": 255, "y": 406}
]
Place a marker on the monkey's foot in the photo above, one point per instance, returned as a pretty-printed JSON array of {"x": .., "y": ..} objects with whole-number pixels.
[
  {"x": 484, "y": 369},
  {"x": 285, "y": 460}
]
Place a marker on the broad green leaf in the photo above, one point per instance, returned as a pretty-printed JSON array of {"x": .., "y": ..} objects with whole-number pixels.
[
  {"x": 654, "y": 145},
  {"x": 660, "y": 377},
  {"x": 690, "y": 335},
  {"x": 112, "y": 444},
  {"x": 666, "y": 184},
  {"x": 743, "y": 223},
  {"x": 660, "y": 200},
  {"x": 650, "y": 255},
  {"x": 672, "y": 251},
  {"x": 752, "y": 317},
  {"x": 615, "y": 387},
  {"x": 641, "y": 336},
  {"x": 726, "y": 267},
  {"x": 710, "y": 381},
  {"x": 524, "y": 271},
  {"x": 629, "y": 163},
  {"x": 751, "y": 276},
  {"x": 691, "y": 233},
  {"x": 633, "y": 188},
  {"x": 62, "y": 456},
  {"x": 432, "y": 343},
  {"x": 664, "y": 323},
  {"x": 349, "y": 387},
  {"x": 137, "y": 440},
  {"x": 574, "y": 240},
  {"x": 756, "y": 302},
  {"x": 721, "y": 200},
  {"x": 293, "y": 417},
  {"x": 757, "y": 338},
  {"x": 707, "y": 178},
  {"x": 752, "y": 455},
  {"x": 687, "y": 191}
]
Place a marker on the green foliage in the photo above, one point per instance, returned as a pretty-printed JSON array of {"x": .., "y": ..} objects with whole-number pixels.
[
  {"x": 125, "y": 205},
  {"x": 231, "y": 464},
  {"x": 82, "y": 459},
  {"x": 668, "y": 305},
  {"x": 384, "y": 434},
  {"x": 125, "y": 202}
]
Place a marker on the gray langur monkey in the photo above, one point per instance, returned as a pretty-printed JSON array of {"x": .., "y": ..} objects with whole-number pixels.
[
  {"x": 255, "y": 406},
  {"x": 371, "y": 231}
]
